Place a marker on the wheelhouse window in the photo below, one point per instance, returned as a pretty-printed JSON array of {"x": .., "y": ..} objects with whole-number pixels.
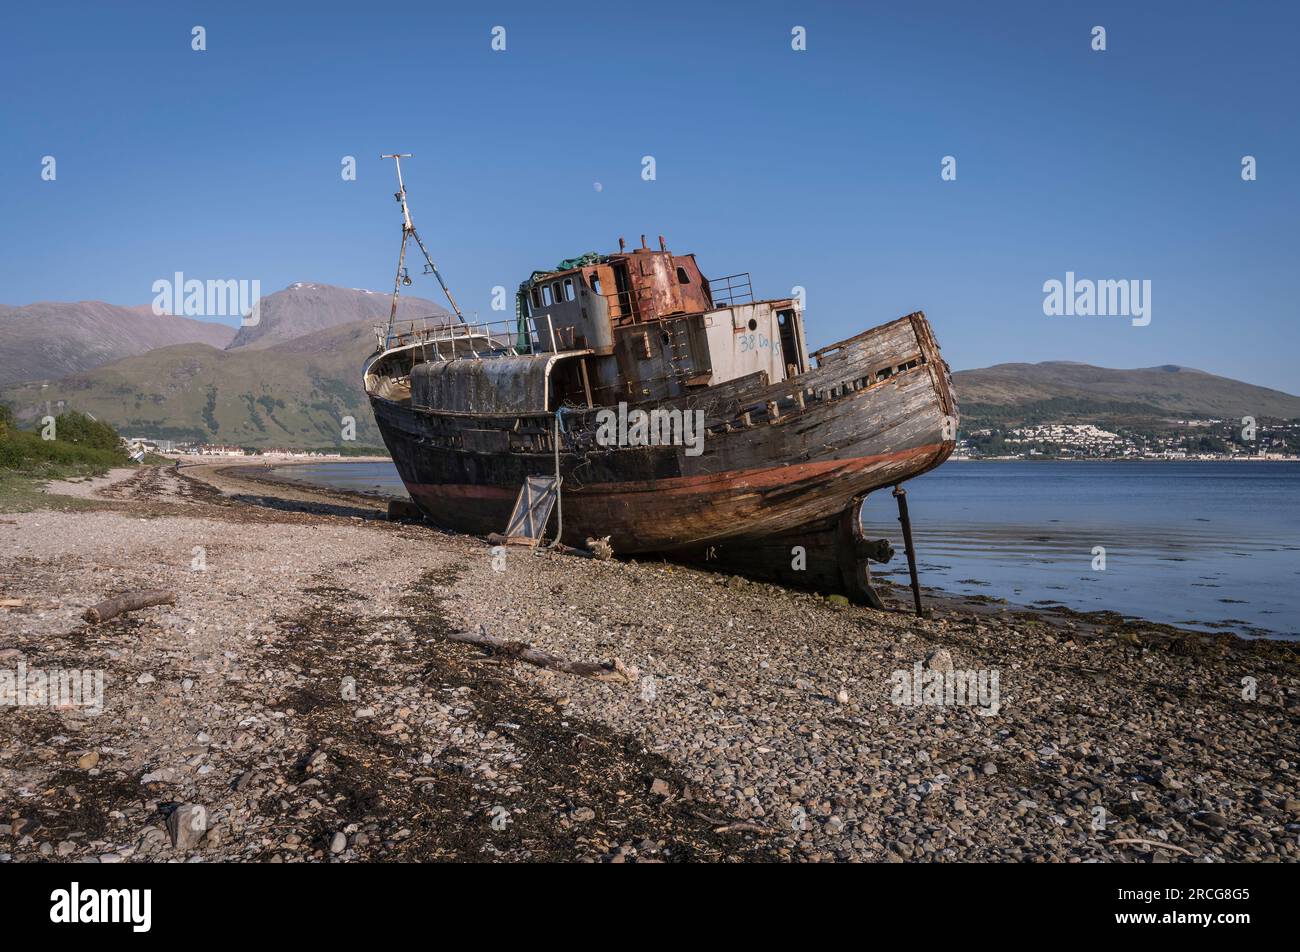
[
  {"x": 546, "y": 295},
  {"x": 682, "y": 276},
  {"x": 568, "y": 289},
  {"x": 556, "y": 293},
  {"x": 537, "y": 297}
]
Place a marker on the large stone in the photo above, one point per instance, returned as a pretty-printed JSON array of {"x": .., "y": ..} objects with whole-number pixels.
[
  {"x": 940, "y": 659},
  {"x": 151, "y": 840},
  {"x": 186, "y": 825}
]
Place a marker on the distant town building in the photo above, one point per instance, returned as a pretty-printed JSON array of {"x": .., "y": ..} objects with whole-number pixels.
[
  {"x": 210, "y": 449},
  {"x": 152, "y": 445}
]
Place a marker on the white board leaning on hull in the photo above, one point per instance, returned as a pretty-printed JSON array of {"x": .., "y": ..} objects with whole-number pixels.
[{"x": 533, "y": 508}]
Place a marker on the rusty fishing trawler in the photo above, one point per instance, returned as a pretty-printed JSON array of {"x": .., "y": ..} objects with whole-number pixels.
[{"x": 791, "y": 441}]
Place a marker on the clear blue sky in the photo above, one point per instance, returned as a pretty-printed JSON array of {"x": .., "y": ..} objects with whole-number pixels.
[{"x": 817, "y": 168}]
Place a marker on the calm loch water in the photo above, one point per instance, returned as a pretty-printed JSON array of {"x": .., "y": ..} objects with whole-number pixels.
[{"x": 1205, "y": 545}]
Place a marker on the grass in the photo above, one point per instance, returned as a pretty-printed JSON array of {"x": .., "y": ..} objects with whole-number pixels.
[
  {"x": 22, "y": 492},
  {"x": 22, "y": 451},
  {"x": 27, "y": 462}
]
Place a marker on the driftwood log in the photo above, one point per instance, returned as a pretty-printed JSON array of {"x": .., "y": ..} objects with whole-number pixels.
[
  {"x": 112, "y": 607},
  {"x": 732, "y": 826},
  {"x": 615, "y": 671},
  {"x": 1156, "y": 843},
  {"x": 496, "y": 538}
]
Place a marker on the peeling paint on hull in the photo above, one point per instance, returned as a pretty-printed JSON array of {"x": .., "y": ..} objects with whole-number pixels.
[{"x": 687, "y": 512}]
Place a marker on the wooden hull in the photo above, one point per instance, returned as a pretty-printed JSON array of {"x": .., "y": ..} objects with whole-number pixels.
[{"x": 780, "y": 465}]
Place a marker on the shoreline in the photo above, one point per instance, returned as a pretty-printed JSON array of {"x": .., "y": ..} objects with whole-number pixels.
[
  {"x": 900, "y": 595},
  {"x": 1117, "y": 459},
  {"x": 762, "y": 724}
]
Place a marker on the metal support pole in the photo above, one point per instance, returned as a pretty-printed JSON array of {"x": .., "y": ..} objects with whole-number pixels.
[
  {"x": 437, "y": 274},
  {"x": 408, "y": 228},
  {"x": 901, "y": 495},
  {"x": 397, "y": 288}
]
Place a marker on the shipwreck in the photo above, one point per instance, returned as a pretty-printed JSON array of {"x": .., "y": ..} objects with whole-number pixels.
[{"x": 509, "y": 426}]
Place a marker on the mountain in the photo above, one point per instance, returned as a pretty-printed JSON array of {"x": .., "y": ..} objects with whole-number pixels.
[
  {"x": 49, "y": 340},
  {"x": 286, "y": 381},
  {"x": 295, "y": 393},
  {"x": 306, "y": 308},
  {"x": 267, "y": 392},
  {"x": 1061, "y": 391}
]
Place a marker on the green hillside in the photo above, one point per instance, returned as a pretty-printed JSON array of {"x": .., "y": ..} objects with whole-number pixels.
[
  {"x": 1058, "y": 391},
  {"x": 294, "y": 394}
]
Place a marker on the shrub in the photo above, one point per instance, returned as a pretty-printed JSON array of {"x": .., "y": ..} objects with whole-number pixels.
[
  {"x": 73, "y": 427},
  {"x": 81, "y": 444}
]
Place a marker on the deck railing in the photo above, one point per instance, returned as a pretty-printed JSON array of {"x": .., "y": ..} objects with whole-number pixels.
[
  {"x": 732, "y": 289},
  {"x": 504, "y": 338}
]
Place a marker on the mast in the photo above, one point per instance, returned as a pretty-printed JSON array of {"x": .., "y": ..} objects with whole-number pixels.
[{"x": 408, "y": 229}]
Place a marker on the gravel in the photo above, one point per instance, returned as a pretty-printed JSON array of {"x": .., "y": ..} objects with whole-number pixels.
[{"x": 297, "y": 703}]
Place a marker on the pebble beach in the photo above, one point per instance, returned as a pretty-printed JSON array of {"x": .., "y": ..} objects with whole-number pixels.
[{"x": 301, "y": 701}]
